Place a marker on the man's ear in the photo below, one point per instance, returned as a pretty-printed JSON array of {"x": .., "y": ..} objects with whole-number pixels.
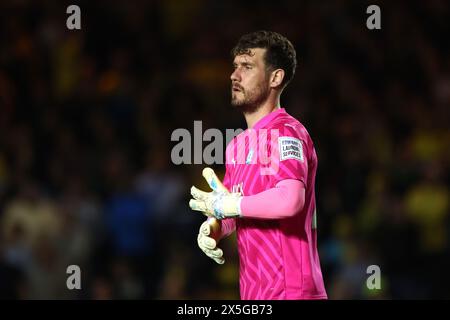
[{"x": 276, "y": 78}]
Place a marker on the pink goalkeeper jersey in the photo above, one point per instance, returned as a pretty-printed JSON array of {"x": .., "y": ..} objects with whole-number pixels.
[{"x": 278, "y": 257}]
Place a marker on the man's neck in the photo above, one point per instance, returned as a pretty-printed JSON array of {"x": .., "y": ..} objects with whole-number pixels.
[{"x": 267, "y": 107}]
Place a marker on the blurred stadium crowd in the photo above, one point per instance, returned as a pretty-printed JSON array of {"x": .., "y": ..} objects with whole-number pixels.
[{"x": 86, "y": 119}]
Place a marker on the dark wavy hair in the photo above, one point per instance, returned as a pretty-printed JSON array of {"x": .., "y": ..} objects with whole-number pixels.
[{"x": 280, "y": 53}]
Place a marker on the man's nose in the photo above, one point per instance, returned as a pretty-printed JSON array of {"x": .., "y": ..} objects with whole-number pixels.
[{"x": 235, "y": 75}]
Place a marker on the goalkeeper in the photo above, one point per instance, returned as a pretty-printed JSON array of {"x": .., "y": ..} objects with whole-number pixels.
[{"x": 270, "y": 204}]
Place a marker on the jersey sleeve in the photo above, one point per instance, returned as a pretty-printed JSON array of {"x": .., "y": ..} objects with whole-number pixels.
[
  {"x": 288, "y": 155},
  {"x": 227, "y": 225}
]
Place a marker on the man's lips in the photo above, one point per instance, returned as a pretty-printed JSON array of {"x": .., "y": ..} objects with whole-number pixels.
[{"x": 236, "y": 89}]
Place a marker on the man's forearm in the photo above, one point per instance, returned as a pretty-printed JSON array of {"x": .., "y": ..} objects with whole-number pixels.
[{"x": 285, "y": 200}]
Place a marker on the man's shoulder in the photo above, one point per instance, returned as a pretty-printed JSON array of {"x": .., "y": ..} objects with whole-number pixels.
[{"x": 287, "y": 125}]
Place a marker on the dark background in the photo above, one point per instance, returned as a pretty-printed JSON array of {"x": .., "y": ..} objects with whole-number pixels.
[{"x": 86, "y": 118}]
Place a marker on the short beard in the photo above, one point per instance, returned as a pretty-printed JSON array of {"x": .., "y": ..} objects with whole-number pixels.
[{"x": 251, "y": 101}]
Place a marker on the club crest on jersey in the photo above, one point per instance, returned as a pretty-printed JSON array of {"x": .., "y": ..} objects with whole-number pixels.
[
  {"x": 249, "y": 157},
  {"x": 290, "y": 148}
]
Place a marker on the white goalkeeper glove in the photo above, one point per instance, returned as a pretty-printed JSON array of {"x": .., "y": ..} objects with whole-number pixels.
[
  {"x": 208, "y": 236},
  {"x": 219, "y": 203}
]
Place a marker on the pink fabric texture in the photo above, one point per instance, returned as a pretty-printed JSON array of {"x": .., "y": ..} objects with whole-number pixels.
[{"x": 227, "y": 227}]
